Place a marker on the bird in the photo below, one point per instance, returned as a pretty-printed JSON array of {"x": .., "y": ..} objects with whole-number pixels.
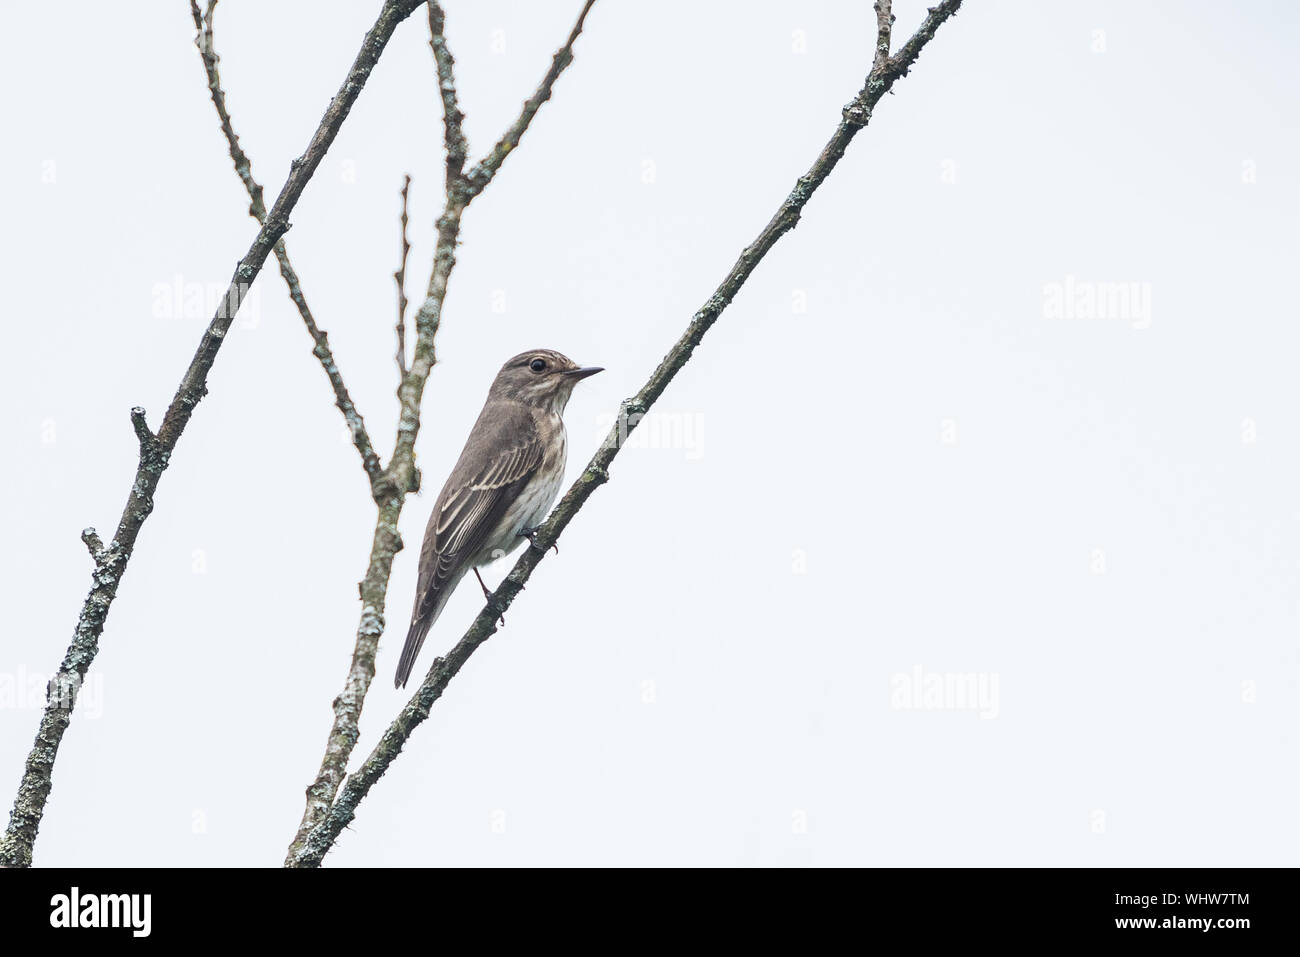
[{"x": 504, "y": 483}]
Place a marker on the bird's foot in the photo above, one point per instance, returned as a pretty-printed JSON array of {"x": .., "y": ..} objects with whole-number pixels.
[
  {"x": 491, "y": 601},
  {"x": 531, "y": 535}
]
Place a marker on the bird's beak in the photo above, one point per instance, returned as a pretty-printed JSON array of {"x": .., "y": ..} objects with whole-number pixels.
[{"x": 584, "y": 372}]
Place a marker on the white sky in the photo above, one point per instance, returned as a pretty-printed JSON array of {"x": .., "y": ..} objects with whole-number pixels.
[{"x": 1095, "y": 516}]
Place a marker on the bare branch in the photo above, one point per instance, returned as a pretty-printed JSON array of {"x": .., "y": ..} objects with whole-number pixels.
[
  {"x": 257, "y": 209},
  {"x": 902, "y": 61},
  {"x": 94, "y": 543},
  {"x": 203, "y": 40},
  {"x": 486, "y": 168},
  {"x": 358, "y": 785},
  {"x": 142, "y": 432},
  {"x": 400, "y": 276},
  {"x": 402, "y": 474},
  {"x": 34, "y": 789},
  {"x": 452, "y": 117},
  {"x": 884, "y": 27}
]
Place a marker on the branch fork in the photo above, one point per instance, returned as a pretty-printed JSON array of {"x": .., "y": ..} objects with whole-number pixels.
[
  {"x": 310, "y": 848},
  {"x": 34, "y": 789}
]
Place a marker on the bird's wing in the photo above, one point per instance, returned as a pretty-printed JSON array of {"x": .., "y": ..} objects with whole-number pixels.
[
  {"x": 503, "y": 453},
  {"x": 500, "y": 459}
]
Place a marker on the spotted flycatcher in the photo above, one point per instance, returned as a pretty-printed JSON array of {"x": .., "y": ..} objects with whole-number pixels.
[{"x": 504, "y": 483}]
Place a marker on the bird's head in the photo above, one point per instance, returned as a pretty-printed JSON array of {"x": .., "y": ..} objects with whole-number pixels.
[{"x": 540, "y": 377}]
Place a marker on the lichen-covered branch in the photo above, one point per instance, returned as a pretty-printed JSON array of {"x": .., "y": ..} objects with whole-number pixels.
[
  {"x": 884, "y": 73},
  {"x": 111, "y": 561},
  {"x": 884, "y": 30},
  {"x": 452, "y": 118},
  {"x": 401, "y": 473},
  {"x": 257, "y": 209},
  {"x": 901, "y": 62}
]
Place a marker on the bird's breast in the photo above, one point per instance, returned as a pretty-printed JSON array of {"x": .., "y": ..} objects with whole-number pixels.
[{"x": 534, "y": 501}]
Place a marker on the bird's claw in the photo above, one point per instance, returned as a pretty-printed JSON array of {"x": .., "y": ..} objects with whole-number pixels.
[{"x": 531, "y": 535}]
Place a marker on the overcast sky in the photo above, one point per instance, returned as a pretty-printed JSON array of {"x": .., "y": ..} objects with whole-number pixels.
[{"x": 968, "y": 537}]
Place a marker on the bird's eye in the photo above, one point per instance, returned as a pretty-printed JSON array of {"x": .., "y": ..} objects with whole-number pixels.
[{"x": 537, "y": 365}]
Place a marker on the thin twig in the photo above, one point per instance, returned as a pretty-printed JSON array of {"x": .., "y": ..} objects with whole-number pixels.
[
  {"x": 442, "y": 670},
  {"x": 34, "y": 789},
  {"x": 901, "y": 62},
  {"x": 257, "y": 209},
  {"x": 487, "y": 167},
  {"x": 400, "y": 277},
  {"x": 402, "y": 474}
]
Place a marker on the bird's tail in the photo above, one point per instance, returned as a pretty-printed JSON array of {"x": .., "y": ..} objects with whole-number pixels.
[{"x": 414, "y": 639}]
